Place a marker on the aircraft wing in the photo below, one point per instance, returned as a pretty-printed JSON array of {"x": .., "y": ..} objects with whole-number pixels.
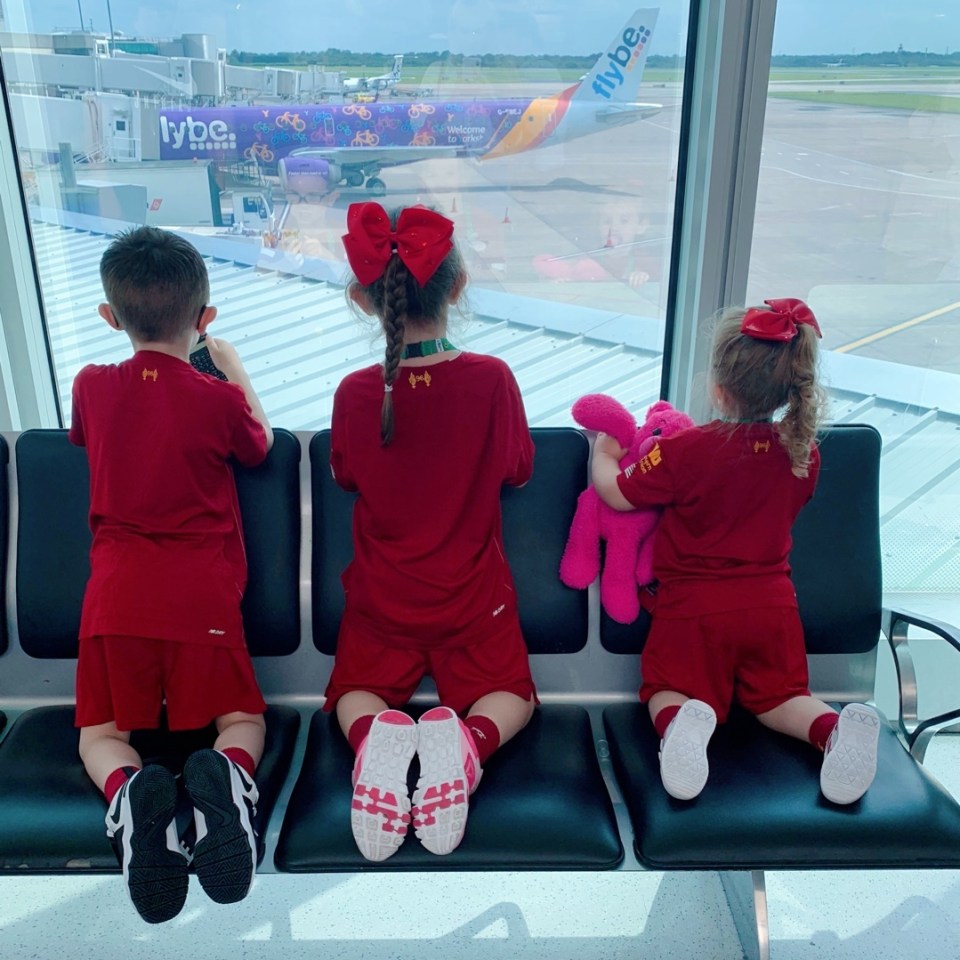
[
  {"x": 626, "y": 113},
  {"x": 371, "y": 156}
]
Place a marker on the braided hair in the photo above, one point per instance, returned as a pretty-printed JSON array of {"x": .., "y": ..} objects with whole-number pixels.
[{"x": 398, "y": 300}]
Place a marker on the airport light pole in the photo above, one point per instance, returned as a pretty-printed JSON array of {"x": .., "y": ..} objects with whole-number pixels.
[{"x": 110, "y": 19}]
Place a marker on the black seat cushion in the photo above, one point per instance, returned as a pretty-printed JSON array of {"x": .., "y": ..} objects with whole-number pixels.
[
  {"x": 541, "y": 805},
  {"x": 762, "y": 807},
  {"x": 536, "y": 522},
  {"x": 51, "y": 812}
]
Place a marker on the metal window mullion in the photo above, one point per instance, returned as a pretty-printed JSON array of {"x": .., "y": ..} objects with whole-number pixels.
[
  {"x": 728, "y": 75},
  {"x": 28, "y": 393}
]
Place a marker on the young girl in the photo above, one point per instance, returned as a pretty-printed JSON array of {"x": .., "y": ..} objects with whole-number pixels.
[
  {"x": 427, "y": 439},
  {"x": 725, "y": 620}
]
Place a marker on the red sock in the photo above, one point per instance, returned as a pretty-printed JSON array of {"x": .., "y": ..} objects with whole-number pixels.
[
  {"x": 241, "y": 758},
  {"x": 821, "y": 728},
  {"x": 662, "y": 720},
  {"x": 359, "y": 730},
  {"x": 486, "y": 736},
  {"x": 116, "y": 780}
]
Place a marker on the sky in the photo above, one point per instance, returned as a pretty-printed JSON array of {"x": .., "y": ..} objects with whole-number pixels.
[{"x": 486, "y": 26}]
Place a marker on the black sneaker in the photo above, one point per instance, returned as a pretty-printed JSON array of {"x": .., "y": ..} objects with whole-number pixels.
[
  {"x": 142, "y": 825},
  {"x": 224, "y": 798}
]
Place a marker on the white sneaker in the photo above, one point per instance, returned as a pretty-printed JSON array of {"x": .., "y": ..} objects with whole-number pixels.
[
  {"x": 850, "y": 758},
  {"x": 449, "y": 772},
  {"x": 380, "y": 806},
  {"x": 683, "y": 750}
]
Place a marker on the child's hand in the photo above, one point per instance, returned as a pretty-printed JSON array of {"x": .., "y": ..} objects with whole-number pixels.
[
  {"x": 609, "y": 446},
  {"x": 605, "y": 469},
  {"x": 225, "y": 358}
]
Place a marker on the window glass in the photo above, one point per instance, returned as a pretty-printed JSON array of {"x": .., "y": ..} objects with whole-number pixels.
[
  {"x": 858, "y": 212},
  {"x": 548, "y": 133}
]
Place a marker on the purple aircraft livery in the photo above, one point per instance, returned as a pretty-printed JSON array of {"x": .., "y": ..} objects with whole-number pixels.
[{"x": 314, "y": 148}]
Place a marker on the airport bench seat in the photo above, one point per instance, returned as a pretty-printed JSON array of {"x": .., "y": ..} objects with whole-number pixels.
[
  {"x": 579, "y": 788},
  {"x": 52, "y": 813},
  {"x": 543, "y": 803},
  {"x": 762, "y": 808}
]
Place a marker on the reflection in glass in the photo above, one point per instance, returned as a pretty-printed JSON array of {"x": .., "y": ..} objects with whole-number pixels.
[
  {"x": 556, "y": 161},
  {"x": 858, "y": 212}
]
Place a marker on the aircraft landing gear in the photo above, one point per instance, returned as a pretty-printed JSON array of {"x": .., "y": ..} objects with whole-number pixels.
[
  {"x": 377, "y": 187},
  {"x": 354, "y": 178}
]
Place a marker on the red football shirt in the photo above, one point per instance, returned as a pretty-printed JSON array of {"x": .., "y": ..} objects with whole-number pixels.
[
  {"x": 730, "y": 500},
  {"x": 167, "y": 559},
  {"x": 429, "y": 568}
]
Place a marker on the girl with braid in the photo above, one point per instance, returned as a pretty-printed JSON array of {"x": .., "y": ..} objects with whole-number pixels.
[
  {"x": 426, "y": 439},
  {"x": 725, "y": 619}
]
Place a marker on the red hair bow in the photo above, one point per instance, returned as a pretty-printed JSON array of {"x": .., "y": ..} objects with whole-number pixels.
[
  {"x": 780, "y": 322},
  {"x": 421, "y": 240}
]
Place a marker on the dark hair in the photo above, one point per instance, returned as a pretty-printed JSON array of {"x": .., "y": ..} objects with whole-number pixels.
[
  {"x": 398, "y": 299},
  {"x": 762, "y": 376},
  {"x": 156, "y": 283}
]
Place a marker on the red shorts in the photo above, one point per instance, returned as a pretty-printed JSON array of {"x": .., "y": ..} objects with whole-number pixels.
[
  {"x": 127, "y": 679},
  {"x": 463, "y": 675},
  {"x": 754, "y": 656}
]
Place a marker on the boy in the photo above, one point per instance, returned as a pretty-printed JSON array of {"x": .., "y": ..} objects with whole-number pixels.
[{"x": 161, "y": 613}]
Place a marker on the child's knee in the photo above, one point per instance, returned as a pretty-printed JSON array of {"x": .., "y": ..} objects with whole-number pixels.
[{"x": 230, "y": 719}]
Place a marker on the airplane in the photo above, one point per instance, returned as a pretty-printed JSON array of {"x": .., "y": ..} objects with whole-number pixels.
[
  {"x": 361, "y": 84},
  {"x": 315, "y": 148}
]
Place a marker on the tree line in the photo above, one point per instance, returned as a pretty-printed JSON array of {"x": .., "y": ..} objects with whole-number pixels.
[
  {"x": 335, "y": 57},
  {"x": 347, "y": 58}
]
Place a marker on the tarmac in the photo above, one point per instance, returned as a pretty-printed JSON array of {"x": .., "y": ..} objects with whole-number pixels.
[{"x": 858, "y": 211}]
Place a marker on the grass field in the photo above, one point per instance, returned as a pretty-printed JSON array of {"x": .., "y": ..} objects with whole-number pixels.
[
  {"x": 891, "y": 74},
  {"x": 885, "y": 100},
  {"x": 824, "y": 85}
]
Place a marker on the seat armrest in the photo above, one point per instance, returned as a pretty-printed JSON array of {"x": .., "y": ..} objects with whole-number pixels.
[{"x": 895, "y": 623}]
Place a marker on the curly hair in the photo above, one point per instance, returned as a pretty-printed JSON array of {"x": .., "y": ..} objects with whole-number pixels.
[{"x": 760, "y": 377}]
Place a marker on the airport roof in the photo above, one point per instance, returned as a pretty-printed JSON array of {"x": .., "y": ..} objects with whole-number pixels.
[{"x": 298, "y": 339}]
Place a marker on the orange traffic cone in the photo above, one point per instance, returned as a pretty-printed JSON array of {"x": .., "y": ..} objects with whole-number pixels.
[
  {"x": 609, "y": 241},
  {"x": 506, "y": 215}
]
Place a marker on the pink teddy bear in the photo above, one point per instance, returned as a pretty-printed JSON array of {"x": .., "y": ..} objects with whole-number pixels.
[{"x": 628, "y": 562}]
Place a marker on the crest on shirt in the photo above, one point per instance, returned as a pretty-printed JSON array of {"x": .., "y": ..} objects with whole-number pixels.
[
  {"x": 647, "y": 462},
  {"x": 761, "y": 446},
  {"x": 152, "y": 374},
  {"x": 423, "y": 378}
]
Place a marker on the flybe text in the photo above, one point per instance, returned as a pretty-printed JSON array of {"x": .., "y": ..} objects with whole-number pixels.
[
  {"x": 621, "y": 60},
  {"x": 197, "y": 135}
]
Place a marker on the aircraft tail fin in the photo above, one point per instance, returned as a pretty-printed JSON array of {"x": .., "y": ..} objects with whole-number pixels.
[{"x": 615, "y": 77}]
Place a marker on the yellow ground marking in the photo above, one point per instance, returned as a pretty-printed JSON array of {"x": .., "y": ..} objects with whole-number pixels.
[{"x": 896, "y": 328}]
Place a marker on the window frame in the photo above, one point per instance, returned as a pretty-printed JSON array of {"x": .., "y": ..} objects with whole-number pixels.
[
  {"x": 724, "y": 101},
  {"x": 29, "y": 396},
  {"x": 730, "y": 44}
]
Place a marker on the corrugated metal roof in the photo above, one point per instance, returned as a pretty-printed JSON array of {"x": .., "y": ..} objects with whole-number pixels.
[{"x": 298, "y": 338}]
